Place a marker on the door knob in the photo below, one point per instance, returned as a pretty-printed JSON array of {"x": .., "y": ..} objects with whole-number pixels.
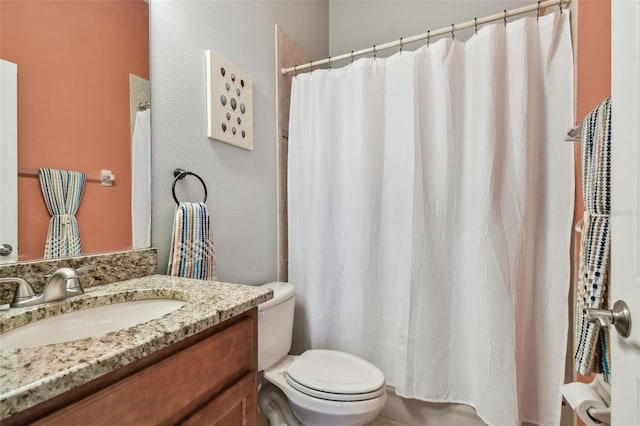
[
  {"x": 5, "y": 249},
  {"x": 619, "y": 316}
]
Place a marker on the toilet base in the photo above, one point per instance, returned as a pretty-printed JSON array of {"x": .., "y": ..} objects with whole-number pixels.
[{"x": 273, "y": 404}]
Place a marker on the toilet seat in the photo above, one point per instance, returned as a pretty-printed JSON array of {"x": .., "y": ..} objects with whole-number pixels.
[
  {"x": 329, "y": 396},
  {"x": 335, "y": 376}
]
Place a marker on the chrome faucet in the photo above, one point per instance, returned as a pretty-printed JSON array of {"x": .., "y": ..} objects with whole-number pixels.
[
  {"x": 62, "y": 284},
  {"x": 57, "y": 283}
]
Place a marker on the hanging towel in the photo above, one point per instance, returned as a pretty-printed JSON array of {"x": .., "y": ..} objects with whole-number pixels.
[
  {"x": 192, "y": 254},
  {"x": 62, "y": 192},
  {"x": 141, "y": 181},
  {"x": 592, "y": 353}
]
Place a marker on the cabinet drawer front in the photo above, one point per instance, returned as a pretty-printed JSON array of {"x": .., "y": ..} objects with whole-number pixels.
[
  {"x": 169, "y": 390},
  {"x": 236, "y": 406}
]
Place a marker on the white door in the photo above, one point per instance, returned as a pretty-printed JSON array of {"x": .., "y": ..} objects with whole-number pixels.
[
  {"x": 8, "y": 162},
  {"x": 625, "y": 209}
]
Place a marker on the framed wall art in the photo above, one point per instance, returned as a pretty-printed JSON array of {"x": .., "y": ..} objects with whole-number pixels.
[{"x": 229, "y": 103}]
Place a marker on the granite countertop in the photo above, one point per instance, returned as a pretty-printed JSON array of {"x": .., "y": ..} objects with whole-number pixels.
[{"x": 29, "y": 376}]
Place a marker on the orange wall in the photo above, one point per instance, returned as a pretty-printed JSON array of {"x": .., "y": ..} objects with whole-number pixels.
[
  {"x": 74, "y": 60},
  {"x": 593, "y": 79}
]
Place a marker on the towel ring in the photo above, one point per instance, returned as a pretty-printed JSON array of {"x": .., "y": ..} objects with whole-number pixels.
[{"x": 179, "y": 174}]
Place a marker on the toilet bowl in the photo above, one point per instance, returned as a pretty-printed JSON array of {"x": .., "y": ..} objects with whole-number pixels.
[{"x": 320, "y": 387}]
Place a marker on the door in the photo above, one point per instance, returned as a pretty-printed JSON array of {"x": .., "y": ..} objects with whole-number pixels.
[
  {"x": 625, "y": 221},
  {"x": 8, "y": 162}
]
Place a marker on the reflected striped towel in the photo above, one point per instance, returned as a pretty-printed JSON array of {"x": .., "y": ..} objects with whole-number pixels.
[
  {"x": 592, "y": 353},
  {"x": 62, "y": 191},
  {"x": 192, "y": 254}
]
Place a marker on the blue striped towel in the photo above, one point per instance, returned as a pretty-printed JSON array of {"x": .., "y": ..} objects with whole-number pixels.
[
  {"x": 192, "y": 254},
  {"x": 592, "y": 353}
]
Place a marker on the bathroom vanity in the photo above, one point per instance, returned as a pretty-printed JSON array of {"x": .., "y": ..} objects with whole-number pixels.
[{"x": 195, "y": 365}]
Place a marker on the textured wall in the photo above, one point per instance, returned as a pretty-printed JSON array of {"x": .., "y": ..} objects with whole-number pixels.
[
  {"x": 358, "y": 24},
  {"x": 241, "y": 184}
]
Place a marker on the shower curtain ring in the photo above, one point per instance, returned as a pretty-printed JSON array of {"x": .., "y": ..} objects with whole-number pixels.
[
  {"x": 428, "y": 37},
  {"x": 505, "y": 17},
  {"x": 538, "y": 17},
  {"x": 352, "y": 56},
  {"x": 295, "y": 70},
  {"x": 375, "y": 53},
  {"x": 400, "y": 44},
  {"x": 560, "y": 5},
  {"x": 329, "y": 61},
  {"x": 475, "y": 24},
  {"x": 311, "y": 66},
  {"x": 453, "y": 36}
]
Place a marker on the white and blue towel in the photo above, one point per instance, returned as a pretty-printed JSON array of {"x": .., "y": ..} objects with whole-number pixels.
[
  {"x": 62, "y": 191},
  {"x": 592, "y": 345},
  {"x": 192, "y": 253}
]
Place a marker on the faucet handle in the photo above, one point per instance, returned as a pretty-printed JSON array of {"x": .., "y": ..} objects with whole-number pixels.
[
  {"x": 24, "y": 292},
  {"x": 73, "y": 285},
  {"x": 85, "y": 268},
  {"x": 71, "y": 280}
]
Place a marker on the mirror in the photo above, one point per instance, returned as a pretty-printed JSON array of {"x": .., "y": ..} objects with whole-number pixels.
[{"x": 83, "y": 69}]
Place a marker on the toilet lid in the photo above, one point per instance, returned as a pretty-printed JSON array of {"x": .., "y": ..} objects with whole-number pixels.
[{"x": 334, "y": 373}]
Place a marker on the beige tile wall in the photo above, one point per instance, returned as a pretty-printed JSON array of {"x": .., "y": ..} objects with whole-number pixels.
[{"x": 288, "y": 54}]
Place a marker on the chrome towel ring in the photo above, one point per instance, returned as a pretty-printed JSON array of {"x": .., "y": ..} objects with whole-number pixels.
[{"x": 179, "y": 174}]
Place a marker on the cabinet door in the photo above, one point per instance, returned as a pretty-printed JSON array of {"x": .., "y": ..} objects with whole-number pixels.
[
  {"x": 237, "y": 406},
  {"x": 169, "y": 390}
]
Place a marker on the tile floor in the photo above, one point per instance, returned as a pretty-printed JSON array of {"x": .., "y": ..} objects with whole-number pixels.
[{"x": 383, "y": 421}]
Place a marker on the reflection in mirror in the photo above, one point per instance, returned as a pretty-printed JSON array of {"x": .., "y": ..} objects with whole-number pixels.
[{"x": 83, "y": 69}]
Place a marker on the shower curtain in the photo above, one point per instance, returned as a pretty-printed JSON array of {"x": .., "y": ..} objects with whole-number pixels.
[{"x": 430, "y": 209}]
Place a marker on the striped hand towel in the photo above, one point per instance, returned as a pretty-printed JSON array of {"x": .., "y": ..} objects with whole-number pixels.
[
  {"x": 592, "y": 353},
  {"x": 62, "y": 191},
  {"x": 192, "y": 254}
]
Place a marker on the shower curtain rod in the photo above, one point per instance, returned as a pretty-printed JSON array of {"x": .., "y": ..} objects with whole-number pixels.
[{"x": 426, "y": 36}]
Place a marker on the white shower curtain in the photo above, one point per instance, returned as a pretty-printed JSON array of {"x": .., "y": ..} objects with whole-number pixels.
[{"x": 430, "y": 209}]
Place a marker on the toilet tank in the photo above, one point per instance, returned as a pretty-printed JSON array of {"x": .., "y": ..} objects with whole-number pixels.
[{"x": 275, "y": 324}]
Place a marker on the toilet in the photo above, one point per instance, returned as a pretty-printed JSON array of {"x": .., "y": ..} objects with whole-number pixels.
[{"x": 318, "y": 388}]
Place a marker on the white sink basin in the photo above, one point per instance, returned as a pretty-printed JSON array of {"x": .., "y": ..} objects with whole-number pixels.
[{"x": 89, "y": 322}]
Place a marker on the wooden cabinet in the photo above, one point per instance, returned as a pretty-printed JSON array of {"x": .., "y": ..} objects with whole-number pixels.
[
  {"x": 206, "y": 379},
  {"x": 236, "y": 406}
]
